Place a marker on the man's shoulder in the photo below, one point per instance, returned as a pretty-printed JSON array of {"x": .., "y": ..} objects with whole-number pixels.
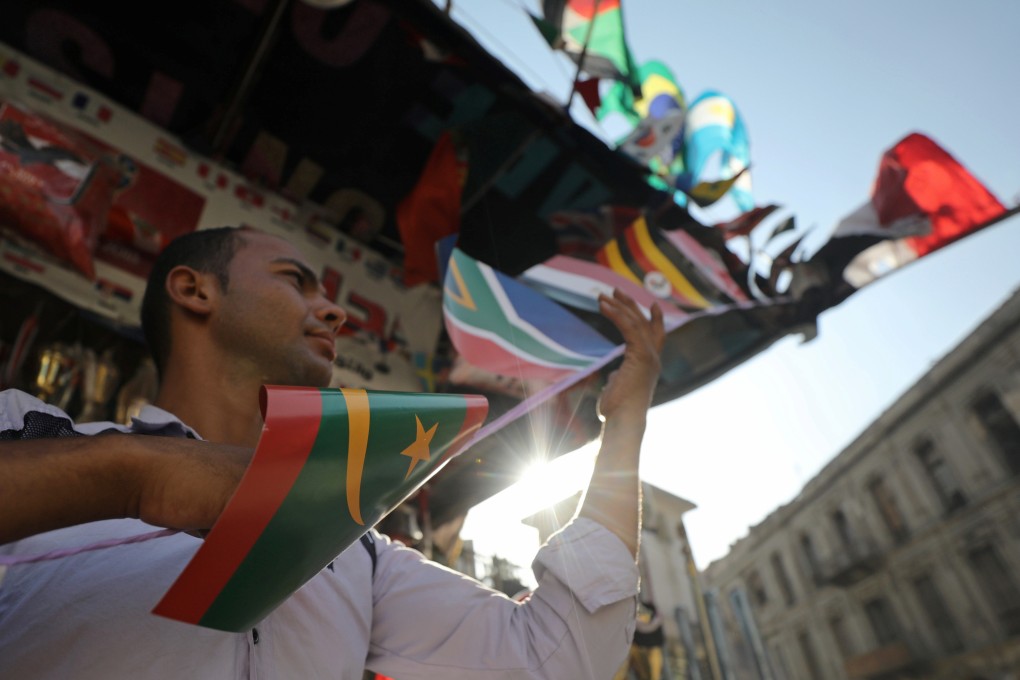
[{"x": 23, "y": 416}]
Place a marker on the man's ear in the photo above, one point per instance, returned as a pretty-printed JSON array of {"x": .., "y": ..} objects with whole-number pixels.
[{"x": 195, "y": 291}]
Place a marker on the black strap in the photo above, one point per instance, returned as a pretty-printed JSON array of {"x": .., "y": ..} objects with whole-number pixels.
[{"x": 369, "y": 542}]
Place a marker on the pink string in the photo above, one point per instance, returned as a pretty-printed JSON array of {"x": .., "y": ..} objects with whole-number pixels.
[{"x": 8, "y": 560}]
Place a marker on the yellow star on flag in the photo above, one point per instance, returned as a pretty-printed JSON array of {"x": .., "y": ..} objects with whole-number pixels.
[{"x": 419, "y": 448}]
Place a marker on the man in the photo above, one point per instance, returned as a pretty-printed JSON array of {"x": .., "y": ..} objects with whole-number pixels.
[{"x": 225, "y": 312}]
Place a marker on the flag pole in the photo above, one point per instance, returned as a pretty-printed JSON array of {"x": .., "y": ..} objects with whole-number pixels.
[{"x": 580, "y": 59}]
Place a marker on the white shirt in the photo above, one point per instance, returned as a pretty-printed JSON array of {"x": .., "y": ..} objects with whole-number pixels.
[{"x": 88, "y": 616}]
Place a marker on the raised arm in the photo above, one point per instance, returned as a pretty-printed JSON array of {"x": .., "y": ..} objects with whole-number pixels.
[
  {"x": 47, "y": 484},
  {"x": 613, "y": 497}
]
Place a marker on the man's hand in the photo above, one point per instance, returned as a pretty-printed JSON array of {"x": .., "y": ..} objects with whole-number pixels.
[
  {"x": 628, "y": 392},
  {"x": 613, "y": 497}
]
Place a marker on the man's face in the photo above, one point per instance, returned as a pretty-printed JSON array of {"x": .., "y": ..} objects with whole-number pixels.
[{"x": 274, "y": 317}]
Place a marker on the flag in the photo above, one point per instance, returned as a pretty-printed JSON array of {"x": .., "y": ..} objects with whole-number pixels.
[
  {"x": 922, "y": 200},
  {"x": 432, "y": 209},
  {"x": 582, "y": 232},
  {"x": 579, "y": 283},
  {"x": 504, "y": 327},
  {"x": 599, "y": 23},
  {"x": 656, "y": 139},
  {"x": 744, "y": 224},
  {"x": 781, "y": 227},
  {"x": 653, "y": 139},
  {"x": 705, "y": 194},
  {"x": 329, "y": 464},
  {"x": 589, "y": 91},
  {"x": 715, "y": 128},
  {"x": 660, "y": 95},
  {"x": 670, "y": 265},
  {"x": 549, "y": 31}
]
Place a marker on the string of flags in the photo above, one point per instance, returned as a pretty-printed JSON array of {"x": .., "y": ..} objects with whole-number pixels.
[
  {"x": 675, "y": 141},
  {"x": 540, "y": 325}
]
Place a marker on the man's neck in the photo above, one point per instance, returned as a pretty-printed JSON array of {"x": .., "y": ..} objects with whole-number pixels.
[{"x": 218, "y": 408}]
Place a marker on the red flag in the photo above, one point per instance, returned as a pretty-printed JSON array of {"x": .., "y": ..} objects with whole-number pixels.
[
  {"x": 952, "y": 198},
  {"x": 922, "y": 200},
  {"x": 589, "y": 91},
  {"x": 432, "y": 209}
]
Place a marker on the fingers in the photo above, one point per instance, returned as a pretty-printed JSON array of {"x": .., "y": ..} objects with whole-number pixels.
[
  {"x": 629, "y": 319},
  {"x": 658, "y": 327}
]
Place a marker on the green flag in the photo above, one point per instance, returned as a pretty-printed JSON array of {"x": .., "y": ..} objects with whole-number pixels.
[{"x": 329, "y": 464}]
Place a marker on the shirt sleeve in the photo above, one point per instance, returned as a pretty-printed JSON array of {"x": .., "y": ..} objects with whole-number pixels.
[
  {"x": 22, "y": 416},
  {"x": 430, "y": 621}
]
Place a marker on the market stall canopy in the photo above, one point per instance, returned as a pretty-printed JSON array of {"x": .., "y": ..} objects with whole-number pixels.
[{"x": 340, "y": 107}]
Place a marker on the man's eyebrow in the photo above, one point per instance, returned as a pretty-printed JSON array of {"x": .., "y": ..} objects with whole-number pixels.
[{"x": 307, "y": 273}]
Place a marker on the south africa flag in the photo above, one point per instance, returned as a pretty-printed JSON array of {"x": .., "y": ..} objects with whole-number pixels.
[{"x": 330, "y": 463}]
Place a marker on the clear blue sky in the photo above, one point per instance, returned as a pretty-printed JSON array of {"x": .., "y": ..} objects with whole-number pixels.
[{"x": 824, "y": 89}]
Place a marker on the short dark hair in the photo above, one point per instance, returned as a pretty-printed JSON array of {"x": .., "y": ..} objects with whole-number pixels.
[{"x": 206, "y": 250}]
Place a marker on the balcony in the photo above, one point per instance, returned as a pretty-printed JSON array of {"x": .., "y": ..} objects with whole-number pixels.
[
  {"x": 883, "y": 662},
  {"x": 856, "y": 561}
]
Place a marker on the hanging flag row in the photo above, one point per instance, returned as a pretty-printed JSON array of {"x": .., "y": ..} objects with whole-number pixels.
[
  {"x": 701, "y": 150},
  {"x": 543, "y": 324}
]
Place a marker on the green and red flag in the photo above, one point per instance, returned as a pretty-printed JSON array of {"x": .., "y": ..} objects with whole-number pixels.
[
  {"x": 330, "y": 463},
  {"x": 594, "y": 27}
]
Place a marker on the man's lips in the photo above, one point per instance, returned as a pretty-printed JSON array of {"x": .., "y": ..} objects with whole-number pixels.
[{"x": 326, "y": 342}]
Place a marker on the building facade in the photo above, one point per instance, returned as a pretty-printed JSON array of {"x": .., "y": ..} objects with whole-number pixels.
[{"x": 901, "y": 558}]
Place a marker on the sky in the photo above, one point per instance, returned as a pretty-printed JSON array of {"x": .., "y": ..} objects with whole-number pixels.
[{"x": 824, "y": 88}]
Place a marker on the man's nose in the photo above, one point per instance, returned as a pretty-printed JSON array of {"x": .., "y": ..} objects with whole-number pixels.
[{"x": 331, "y": 313}]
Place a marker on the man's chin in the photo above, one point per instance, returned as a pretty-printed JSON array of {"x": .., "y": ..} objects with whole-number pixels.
[{"x": 317, "y": 372}]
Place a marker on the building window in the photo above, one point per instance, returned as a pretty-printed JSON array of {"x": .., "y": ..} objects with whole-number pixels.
[
  {"x": 842, "y": 636},
  {"x": 940, "y": 475},
  {"x": 757, "y": 588},
  {"x": 1000, "y": 428},
  {"x": 935, "y": 609},
  {"x": 807, "y": 548},
  {"x": 882, "y": 621},
  {"x": 889, "y": 510},
  {"x": 839, "y": 521},
  {"x": 807, "y": 648},
  {"x": 999, "y": 587},
  {"x": 783, "y": 579}
]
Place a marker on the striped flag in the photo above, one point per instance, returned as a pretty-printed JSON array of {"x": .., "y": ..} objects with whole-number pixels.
[
  {"x": 330, "y": 463},
  {"x": 579, "y": 283},
  {"x": 170, "y": 152},
  {"x": 44, "y": 89},
  {"x": 670, "y": 265},
  {"x": 923, "y": 199},
  {"x": 502, "y": 326}
]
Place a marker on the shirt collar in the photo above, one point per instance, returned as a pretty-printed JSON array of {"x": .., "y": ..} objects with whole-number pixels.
[{"x": 154, "y": 420}]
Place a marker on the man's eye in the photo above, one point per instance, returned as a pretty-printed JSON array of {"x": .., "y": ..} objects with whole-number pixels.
[{"x": 298, "y": 277}]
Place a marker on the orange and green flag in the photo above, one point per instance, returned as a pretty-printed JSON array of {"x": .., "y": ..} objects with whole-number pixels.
[{"x": 330, "y": 463}]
